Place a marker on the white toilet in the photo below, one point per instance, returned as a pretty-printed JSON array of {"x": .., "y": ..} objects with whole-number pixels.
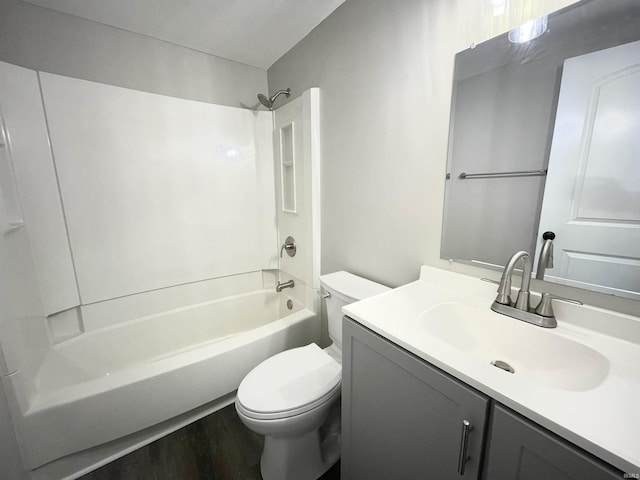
[{"x": 293, "y": 397}]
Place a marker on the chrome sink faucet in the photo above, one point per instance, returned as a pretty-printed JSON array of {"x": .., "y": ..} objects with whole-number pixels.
[{"x": 543, "y": 315}]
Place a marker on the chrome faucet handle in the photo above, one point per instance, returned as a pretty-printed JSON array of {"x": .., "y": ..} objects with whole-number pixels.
[
  {"x": 545, "y": 309},
  {"x": 545, "y": 260},
  {"x": 549, "y": 236},
  {"x": 290, "y": 246},
  {"x": 504, "y": 291}
]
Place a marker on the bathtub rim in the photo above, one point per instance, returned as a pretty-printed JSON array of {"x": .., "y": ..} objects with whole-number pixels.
[
  {"x": 140, "y": 372},
  {"x": 145, "y": 318}
]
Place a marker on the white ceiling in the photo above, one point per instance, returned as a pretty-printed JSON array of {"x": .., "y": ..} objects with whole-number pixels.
[{"x": 254, "y": 32}]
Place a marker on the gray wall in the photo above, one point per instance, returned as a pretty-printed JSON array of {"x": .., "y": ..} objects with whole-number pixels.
[
  {"x": 370, "y": 62},
  {"x": 385, "y": 73},
  {"x": 42, "y": 39}
]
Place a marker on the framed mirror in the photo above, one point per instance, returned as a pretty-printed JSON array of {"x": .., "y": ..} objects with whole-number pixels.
[{"x": 545, "y": 136}]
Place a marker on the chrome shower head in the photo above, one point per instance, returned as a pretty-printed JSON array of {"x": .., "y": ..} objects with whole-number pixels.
[
  {"x": 268, "y": 102},
  {"x": 264, "y": 101}
]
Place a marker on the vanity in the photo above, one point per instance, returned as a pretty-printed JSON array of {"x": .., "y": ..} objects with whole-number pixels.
[{"x": 436, "y": 385}]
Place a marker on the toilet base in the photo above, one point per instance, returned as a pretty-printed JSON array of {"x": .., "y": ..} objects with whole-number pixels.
[{"x": 305, "y": 456}]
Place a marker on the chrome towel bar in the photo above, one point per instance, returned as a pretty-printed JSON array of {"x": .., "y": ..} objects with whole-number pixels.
[{"x": 521, "y": 173}]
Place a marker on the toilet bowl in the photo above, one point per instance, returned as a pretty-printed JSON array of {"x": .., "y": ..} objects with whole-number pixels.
[{"x": 293, "y": 397}]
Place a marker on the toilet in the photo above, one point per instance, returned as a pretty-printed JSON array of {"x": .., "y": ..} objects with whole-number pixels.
[{"x": 293, "y": 397}]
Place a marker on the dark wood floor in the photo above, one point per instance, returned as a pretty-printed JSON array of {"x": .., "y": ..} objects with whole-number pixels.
[{"x": 218, "y": 447}]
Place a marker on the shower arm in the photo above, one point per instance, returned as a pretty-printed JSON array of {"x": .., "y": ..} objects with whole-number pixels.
[
  {"x": 268, "y": 102},
  {"x": 287, "y": 92}
]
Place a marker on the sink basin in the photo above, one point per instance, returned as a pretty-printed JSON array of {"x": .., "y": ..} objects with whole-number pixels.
[{"x": 534, "y": 353}]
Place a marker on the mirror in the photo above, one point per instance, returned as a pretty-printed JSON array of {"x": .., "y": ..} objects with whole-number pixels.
[{"x": 560, "y": 142}]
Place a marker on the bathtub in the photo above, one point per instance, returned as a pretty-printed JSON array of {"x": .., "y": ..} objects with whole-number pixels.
[{"x": 109, "y": 383}]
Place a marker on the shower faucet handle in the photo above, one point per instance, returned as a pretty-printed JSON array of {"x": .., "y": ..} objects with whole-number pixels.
[{"x": 290, "y": 246}]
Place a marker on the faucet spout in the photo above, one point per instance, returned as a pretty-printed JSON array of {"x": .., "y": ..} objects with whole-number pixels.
[
  {"x": 504, "y": 290},
  {"x": 282, "y": 286},
  {"x": 543, "y": 315}
]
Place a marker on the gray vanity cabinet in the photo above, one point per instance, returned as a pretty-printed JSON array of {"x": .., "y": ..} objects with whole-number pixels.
[
  {"x": 403, "y": 419},
  {"x": 519, "y": 449}
]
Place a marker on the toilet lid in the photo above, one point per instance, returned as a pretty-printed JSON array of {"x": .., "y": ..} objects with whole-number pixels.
[{"x": 290, "y": 381}]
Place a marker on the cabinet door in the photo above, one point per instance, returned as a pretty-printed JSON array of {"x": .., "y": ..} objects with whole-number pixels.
[
  {"x": 519, "y": 449},
  {"x": 402, "y": 419}
]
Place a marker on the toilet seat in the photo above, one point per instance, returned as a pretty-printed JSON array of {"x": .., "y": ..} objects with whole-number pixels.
[{"x": 290, "y": 383}]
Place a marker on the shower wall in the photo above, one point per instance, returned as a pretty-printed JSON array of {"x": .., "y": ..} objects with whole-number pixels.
[
  {"x": 22, "y": 327},
  {"x": 44, "y": 40},
  {"x": 139, "y": 202},
  {"x": 138, "y": 192},
  {"x": 159, "y": 191}
]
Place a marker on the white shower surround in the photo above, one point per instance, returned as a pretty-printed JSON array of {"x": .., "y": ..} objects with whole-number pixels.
[
  {"x": 158, "y": 191},
  {"x": 122, "y": 359}
]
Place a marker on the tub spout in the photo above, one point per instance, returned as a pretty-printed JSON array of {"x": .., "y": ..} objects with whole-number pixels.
[{"x": 282, "y": 286}]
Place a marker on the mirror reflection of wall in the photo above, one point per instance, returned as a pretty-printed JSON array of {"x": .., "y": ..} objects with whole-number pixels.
[{"x": 504, "y": 107}]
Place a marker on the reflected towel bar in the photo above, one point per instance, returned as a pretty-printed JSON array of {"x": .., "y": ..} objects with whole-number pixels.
[{"x": 521, "y": 173}]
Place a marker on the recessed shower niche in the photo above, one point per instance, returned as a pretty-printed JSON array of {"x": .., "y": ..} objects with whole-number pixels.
[{"x": 288, "y": 165}]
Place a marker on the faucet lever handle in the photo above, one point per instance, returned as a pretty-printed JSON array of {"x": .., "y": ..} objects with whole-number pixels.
[
  {"x": 289, "y": 246},
  {"x": 545, "y": 309},
  {"x": 504, "y": 290},
  {"x": 549, "y": 236}
]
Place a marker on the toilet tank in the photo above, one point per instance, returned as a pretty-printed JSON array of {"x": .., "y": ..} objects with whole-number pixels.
[{"x": 344, "y": 288}]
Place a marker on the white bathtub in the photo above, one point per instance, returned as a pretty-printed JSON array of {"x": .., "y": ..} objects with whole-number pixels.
[{"x": 110, "y": 383}]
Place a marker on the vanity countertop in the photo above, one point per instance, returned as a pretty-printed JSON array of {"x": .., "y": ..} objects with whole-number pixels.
[{"x": 602, "y": 417}]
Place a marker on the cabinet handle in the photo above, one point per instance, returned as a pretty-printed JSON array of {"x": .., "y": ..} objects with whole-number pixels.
[{"x": 464, "y": 444}]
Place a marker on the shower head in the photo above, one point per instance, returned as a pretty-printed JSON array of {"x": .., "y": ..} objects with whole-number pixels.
[
  {"x": 268, "y": 102},
  {"x": 264, "y": 100}
]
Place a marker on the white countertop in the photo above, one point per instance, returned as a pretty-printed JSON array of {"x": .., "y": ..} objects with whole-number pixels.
[{"x": 604, "y": 420}]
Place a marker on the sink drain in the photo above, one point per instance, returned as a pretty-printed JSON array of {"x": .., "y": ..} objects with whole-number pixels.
[{"x": 503, "y": 366}]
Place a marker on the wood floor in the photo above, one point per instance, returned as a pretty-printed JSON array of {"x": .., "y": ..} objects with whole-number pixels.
[{"x": 218, "y": 447}]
